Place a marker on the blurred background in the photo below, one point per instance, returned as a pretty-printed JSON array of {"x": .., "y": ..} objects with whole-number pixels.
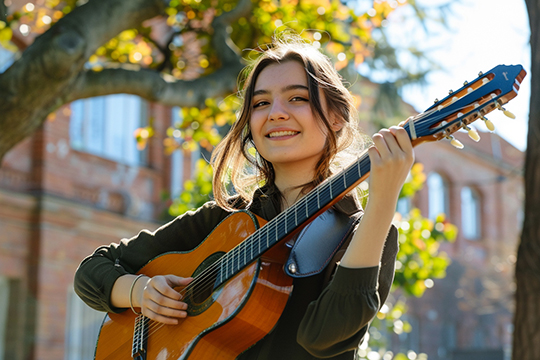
[{"x": 109, "y": 115}]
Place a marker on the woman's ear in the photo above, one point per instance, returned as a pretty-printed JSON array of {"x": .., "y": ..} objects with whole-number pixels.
[{"x": 336, "y": 125}]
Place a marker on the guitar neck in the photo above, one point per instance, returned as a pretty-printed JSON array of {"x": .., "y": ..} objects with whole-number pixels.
[{"x": 295, "y": 217}]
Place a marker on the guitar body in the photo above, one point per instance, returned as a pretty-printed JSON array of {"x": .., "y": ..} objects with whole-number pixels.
[{"x": 223, "y": 324}]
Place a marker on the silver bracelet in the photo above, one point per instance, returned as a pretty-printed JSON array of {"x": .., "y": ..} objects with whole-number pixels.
[{"x": 131, "y": 294}]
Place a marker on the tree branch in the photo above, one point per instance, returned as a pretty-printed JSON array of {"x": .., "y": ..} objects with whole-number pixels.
[
  {"x": 152, "y": 86},
  {"x": 35, "y": 84}
]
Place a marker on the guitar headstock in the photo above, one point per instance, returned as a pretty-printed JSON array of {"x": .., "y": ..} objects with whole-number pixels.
[{"x": 489, "y": 91}]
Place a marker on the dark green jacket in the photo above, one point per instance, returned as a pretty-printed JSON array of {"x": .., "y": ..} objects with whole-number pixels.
[{"x": 326, "y": 317}]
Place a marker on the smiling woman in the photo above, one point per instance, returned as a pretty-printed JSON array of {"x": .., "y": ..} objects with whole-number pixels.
[{"x": 216, "y": 271}]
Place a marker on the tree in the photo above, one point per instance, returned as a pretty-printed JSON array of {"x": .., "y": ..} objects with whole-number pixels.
[
  {"x": 175, "y": 52},
  {"x": 527, "y": 313}
]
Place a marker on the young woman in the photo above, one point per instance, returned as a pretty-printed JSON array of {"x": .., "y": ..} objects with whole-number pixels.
[{"x": 296, "y": 123}]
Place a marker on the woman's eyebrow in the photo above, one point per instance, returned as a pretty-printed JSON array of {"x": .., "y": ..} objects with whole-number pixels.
[{"x": 286, "y": 88}]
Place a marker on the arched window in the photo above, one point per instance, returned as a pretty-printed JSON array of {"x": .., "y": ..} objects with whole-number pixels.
[
  {"x": 438, "y": 195},
  {"x": 470, "y": 213}
]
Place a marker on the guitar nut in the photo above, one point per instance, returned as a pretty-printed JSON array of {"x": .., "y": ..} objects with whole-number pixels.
[{"x": 292, "y": 268}]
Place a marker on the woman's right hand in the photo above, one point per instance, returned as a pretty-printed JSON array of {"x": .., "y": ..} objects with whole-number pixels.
[{"x": 158, "y": 300}]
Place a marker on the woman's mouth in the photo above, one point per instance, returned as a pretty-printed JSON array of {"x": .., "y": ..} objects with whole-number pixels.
[{"x": 275, "y": 134}]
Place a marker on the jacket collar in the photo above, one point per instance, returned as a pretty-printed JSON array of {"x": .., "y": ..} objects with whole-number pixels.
[{"x": 267, "y": 204}]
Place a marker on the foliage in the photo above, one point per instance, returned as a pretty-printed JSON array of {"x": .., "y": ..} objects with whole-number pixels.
[{"x": 196, "y": 191}]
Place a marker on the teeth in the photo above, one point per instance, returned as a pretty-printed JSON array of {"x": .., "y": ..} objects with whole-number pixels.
[{"x": 282, "y": 133}]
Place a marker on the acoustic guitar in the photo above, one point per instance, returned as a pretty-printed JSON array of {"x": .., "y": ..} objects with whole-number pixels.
[{"x": 240, "y": 288}]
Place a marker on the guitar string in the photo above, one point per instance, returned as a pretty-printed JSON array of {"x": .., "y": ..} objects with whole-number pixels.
[{"x": 207, "y": 273}]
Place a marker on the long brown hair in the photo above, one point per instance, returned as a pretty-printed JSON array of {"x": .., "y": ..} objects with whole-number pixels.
[{"x": 236, "y": 161}]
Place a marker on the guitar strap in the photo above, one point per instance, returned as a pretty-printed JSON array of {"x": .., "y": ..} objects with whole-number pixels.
[{"x": 319, "y": 241}]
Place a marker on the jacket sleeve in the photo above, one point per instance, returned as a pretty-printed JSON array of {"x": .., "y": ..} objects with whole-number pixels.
[
  {"x": 338, "y": 320},
  {"x": 96, "y": 275}
]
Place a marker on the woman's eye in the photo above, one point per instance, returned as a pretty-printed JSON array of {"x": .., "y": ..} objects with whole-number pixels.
[
  {"x": 260, "y": 103},
  {"x": 299, "y": 98}
]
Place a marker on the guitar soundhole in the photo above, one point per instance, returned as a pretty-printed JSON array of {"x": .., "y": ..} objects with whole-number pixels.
[{"x": 202, "y": 294}]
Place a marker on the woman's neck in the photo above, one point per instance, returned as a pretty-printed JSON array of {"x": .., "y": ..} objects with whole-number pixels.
[{"x": 290, "y": 183}]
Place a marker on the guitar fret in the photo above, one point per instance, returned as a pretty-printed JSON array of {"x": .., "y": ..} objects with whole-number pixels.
[
  {"x": 267, "y": 237},
  {"x": 330, "y": 183},
  {"x": 276, "y": 230},
  {"x": 286, "y": 216},
  {"x": 344, "y": 180},
  {"x": 318, "y": 200},
  {"x": 307, "y": 212},
  {"x": 295, "y": 218}
]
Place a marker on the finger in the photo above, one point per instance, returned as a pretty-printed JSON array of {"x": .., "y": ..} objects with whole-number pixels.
[
  {"x": 167, "y": 311},
  {"x": 402, "y": 138},
  {"x": 391, "y": 142},
  {"x": 374, "y": 156},
  {"x": 380, "y": 143},
  {"x": 160, "y": 318},
  {"x": 162, "y": 285},
  {"x": 174, "y": 280},
  {"x": 163, "y": 301}
]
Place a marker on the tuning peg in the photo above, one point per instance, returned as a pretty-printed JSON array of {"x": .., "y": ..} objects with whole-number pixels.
[
  {"x": 473, "y": 134},
  {"x": 488, "y": 123},
  {"x": 435, "y": 101},
  {"x": 450, "y": 91},
  {"x": 506, "y": 112},
  {"x": 455, "y": 142},
  {"x": 465, "y": 83},
  {"x": 480, "y": 73}
]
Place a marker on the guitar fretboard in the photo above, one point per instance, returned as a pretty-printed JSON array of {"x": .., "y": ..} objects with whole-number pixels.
[{"x": 291, "y": 219}]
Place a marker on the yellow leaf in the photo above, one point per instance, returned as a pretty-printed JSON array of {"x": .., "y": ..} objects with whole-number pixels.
[{"x": 6, "y": 34}]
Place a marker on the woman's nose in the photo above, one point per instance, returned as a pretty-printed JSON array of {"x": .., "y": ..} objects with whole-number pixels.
[{"x": 278, "y": 111}]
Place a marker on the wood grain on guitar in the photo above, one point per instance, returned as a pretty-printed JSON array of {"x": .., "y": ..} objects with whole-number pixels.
[{"x": 240, "y": 289}]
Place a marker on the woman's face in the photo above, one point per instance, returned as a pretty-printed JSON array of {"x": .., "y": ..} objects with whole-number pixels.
[{"x": 284, "y": 129}]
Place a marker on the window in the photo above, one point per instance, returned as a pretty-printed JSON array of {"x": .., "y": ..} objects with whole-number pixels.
[
  {"x": 177, "y": 160},
  {"x": 470, "y": 213},
  {"x": 438, "y": 195},
  {"x": 82, "y": 329},
  {"x": 104, "y": 126},
  {"x": 404, "y": 206}
]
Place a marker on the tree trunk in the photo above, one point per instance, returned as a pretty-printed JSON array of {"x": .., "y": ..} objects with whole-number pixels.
[{"x": 527, "y": 313}]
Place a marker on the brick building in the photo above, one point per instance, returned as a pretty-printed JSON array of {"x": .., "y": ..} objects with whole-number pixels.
[{"x": 79, "y": 182}]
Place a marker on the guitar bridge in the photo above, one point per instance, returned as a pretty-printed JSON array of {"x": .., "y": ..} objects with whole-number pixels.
[{"x": 140, "y": 336}]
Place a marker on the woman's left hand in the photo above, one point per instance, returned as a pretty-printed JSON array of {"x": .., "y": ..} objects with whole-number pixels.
[{"x": 391, "y": 156}]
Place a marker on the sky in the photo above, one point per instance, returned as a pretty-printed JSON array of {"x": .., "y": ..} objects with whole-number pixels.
[{"x": 481, "y": 35}]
